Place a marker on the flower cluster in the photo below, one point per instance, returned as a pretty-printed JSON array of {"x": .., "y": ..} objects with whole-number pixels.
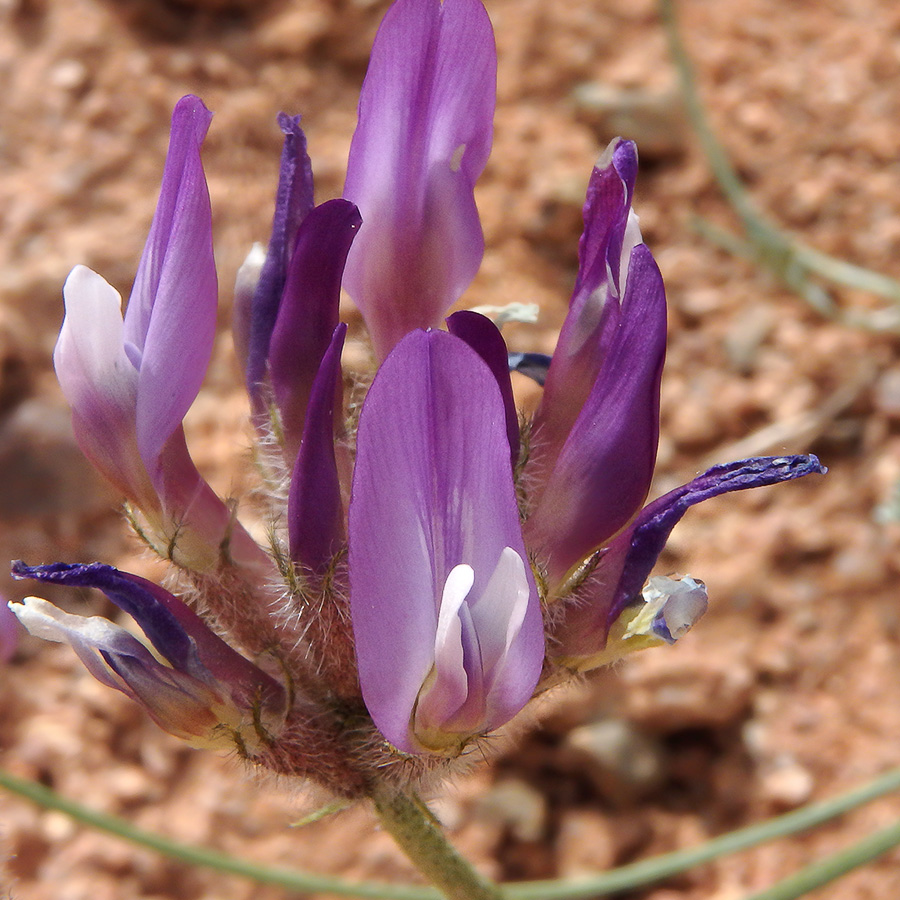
[{"x": 437, "y": 563}]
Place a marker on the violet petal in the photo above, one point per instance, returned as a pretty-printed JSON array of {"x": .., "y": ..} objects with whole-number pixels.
[
  {"x": 650, "y": 531},
  {"x": 432, "y": 490},
  {"x": 424, "y": 135},
  {"x": 170, "y": 321}
]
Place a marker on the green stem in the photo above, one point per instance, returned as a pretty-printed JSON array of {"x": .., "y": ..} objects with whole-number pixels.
[
  {"x": 201, "y": 856},
  {"x": 423, "y": 840},
  {"x": 625, "y": 878},
  {"x": 834, "y": 867},
  {"x": 660, "y": 867},
  {"x": 791, "y": 260}
]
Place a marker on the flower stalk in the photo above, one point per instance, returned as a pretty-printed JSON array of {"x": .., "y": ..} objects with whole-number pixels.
[{"x": 422, "y": 839}]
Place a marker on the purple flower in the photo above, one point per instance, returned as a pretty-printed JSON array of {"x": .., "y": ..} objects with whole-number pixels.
[
  {"x": 449, "y": 637},
  {"x": 423, "y": 138},
  {"x": 193, "y": 684},
  {"x": 431, "y": 568},
  {"x": 130, "y": 381}
]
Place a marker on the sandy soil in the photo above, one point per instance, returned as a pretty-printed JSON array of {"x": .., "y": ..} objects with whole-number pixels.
[{"x": 787, "y": 691}]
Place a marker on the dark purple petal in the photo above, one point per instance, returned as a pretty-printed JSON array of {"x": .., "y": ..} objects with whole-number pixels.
[
  {"x": 309, "y": 311},
  {"x": 628, "y": 561},
  {"x": 432, "y": 490},
  {"x": 605, "y": 468},
  {"x": 483, "y": 336},
  {"x": 293, "y": 202},
  {"x": 610, "y": 232},
  {"x": 177, "y": 633},
  {"x": 171, "y": 317},
  {"x": 424, "y": 135},
  {"x": 315, "y": 508},
  {"x": 650, "y": 531},
  {"x": 532, "y": 365}
]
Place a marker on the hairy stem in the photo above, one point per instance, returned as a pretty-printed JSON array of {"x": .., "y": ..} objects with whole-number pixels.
[{"x": 422, "y": 839}]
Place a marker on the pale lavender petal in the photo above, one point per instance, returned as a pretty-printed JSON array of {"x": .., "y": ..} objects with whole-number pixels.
[
  {"x": 432, "y": 490},
  {"x": 484, "y": 337},
  {"x": 171, "y": 317},
  {"x": 293, "y": 202},
  {"x": 89, "y": 637},
  {"x": 100, "y": 383},
  {"x": 315, "y": 508},
  {"x": 309, "y": 311},
  {"x": 498, "y": 617},
  {"x": 604, "y": 470},
  {"x": 424, "y": 135}
]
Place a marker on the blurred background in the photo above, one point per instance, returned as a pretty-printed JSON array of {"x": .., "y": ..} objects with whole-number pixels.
[{"x": 787, "y": 691}]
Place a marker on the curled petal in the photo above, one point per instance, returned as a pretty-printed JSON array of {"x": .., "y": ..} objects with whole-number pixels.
[
  {"x": 433, "y": 492},
  {"x": 424, "y": 135},
  {"x": 614, "y": 586},
  {"x": 532, "y": 365},
  {"x": 653, "y": 526},
  {"x": 179, "y": 635},
  {"x": 199, "y": 683}
]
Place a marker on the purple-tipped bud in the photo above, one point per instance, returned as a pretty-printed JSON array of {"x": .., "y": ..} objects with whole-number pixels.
[
  {"x": 193, "y": 685},
  {"x": 604, "y": 468},
  {"x": 449, "y": 637},
  {"x": 610, "y": 234},
  {"x": 423, "y": 138},
  {"x": 293, "y": 202}
]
